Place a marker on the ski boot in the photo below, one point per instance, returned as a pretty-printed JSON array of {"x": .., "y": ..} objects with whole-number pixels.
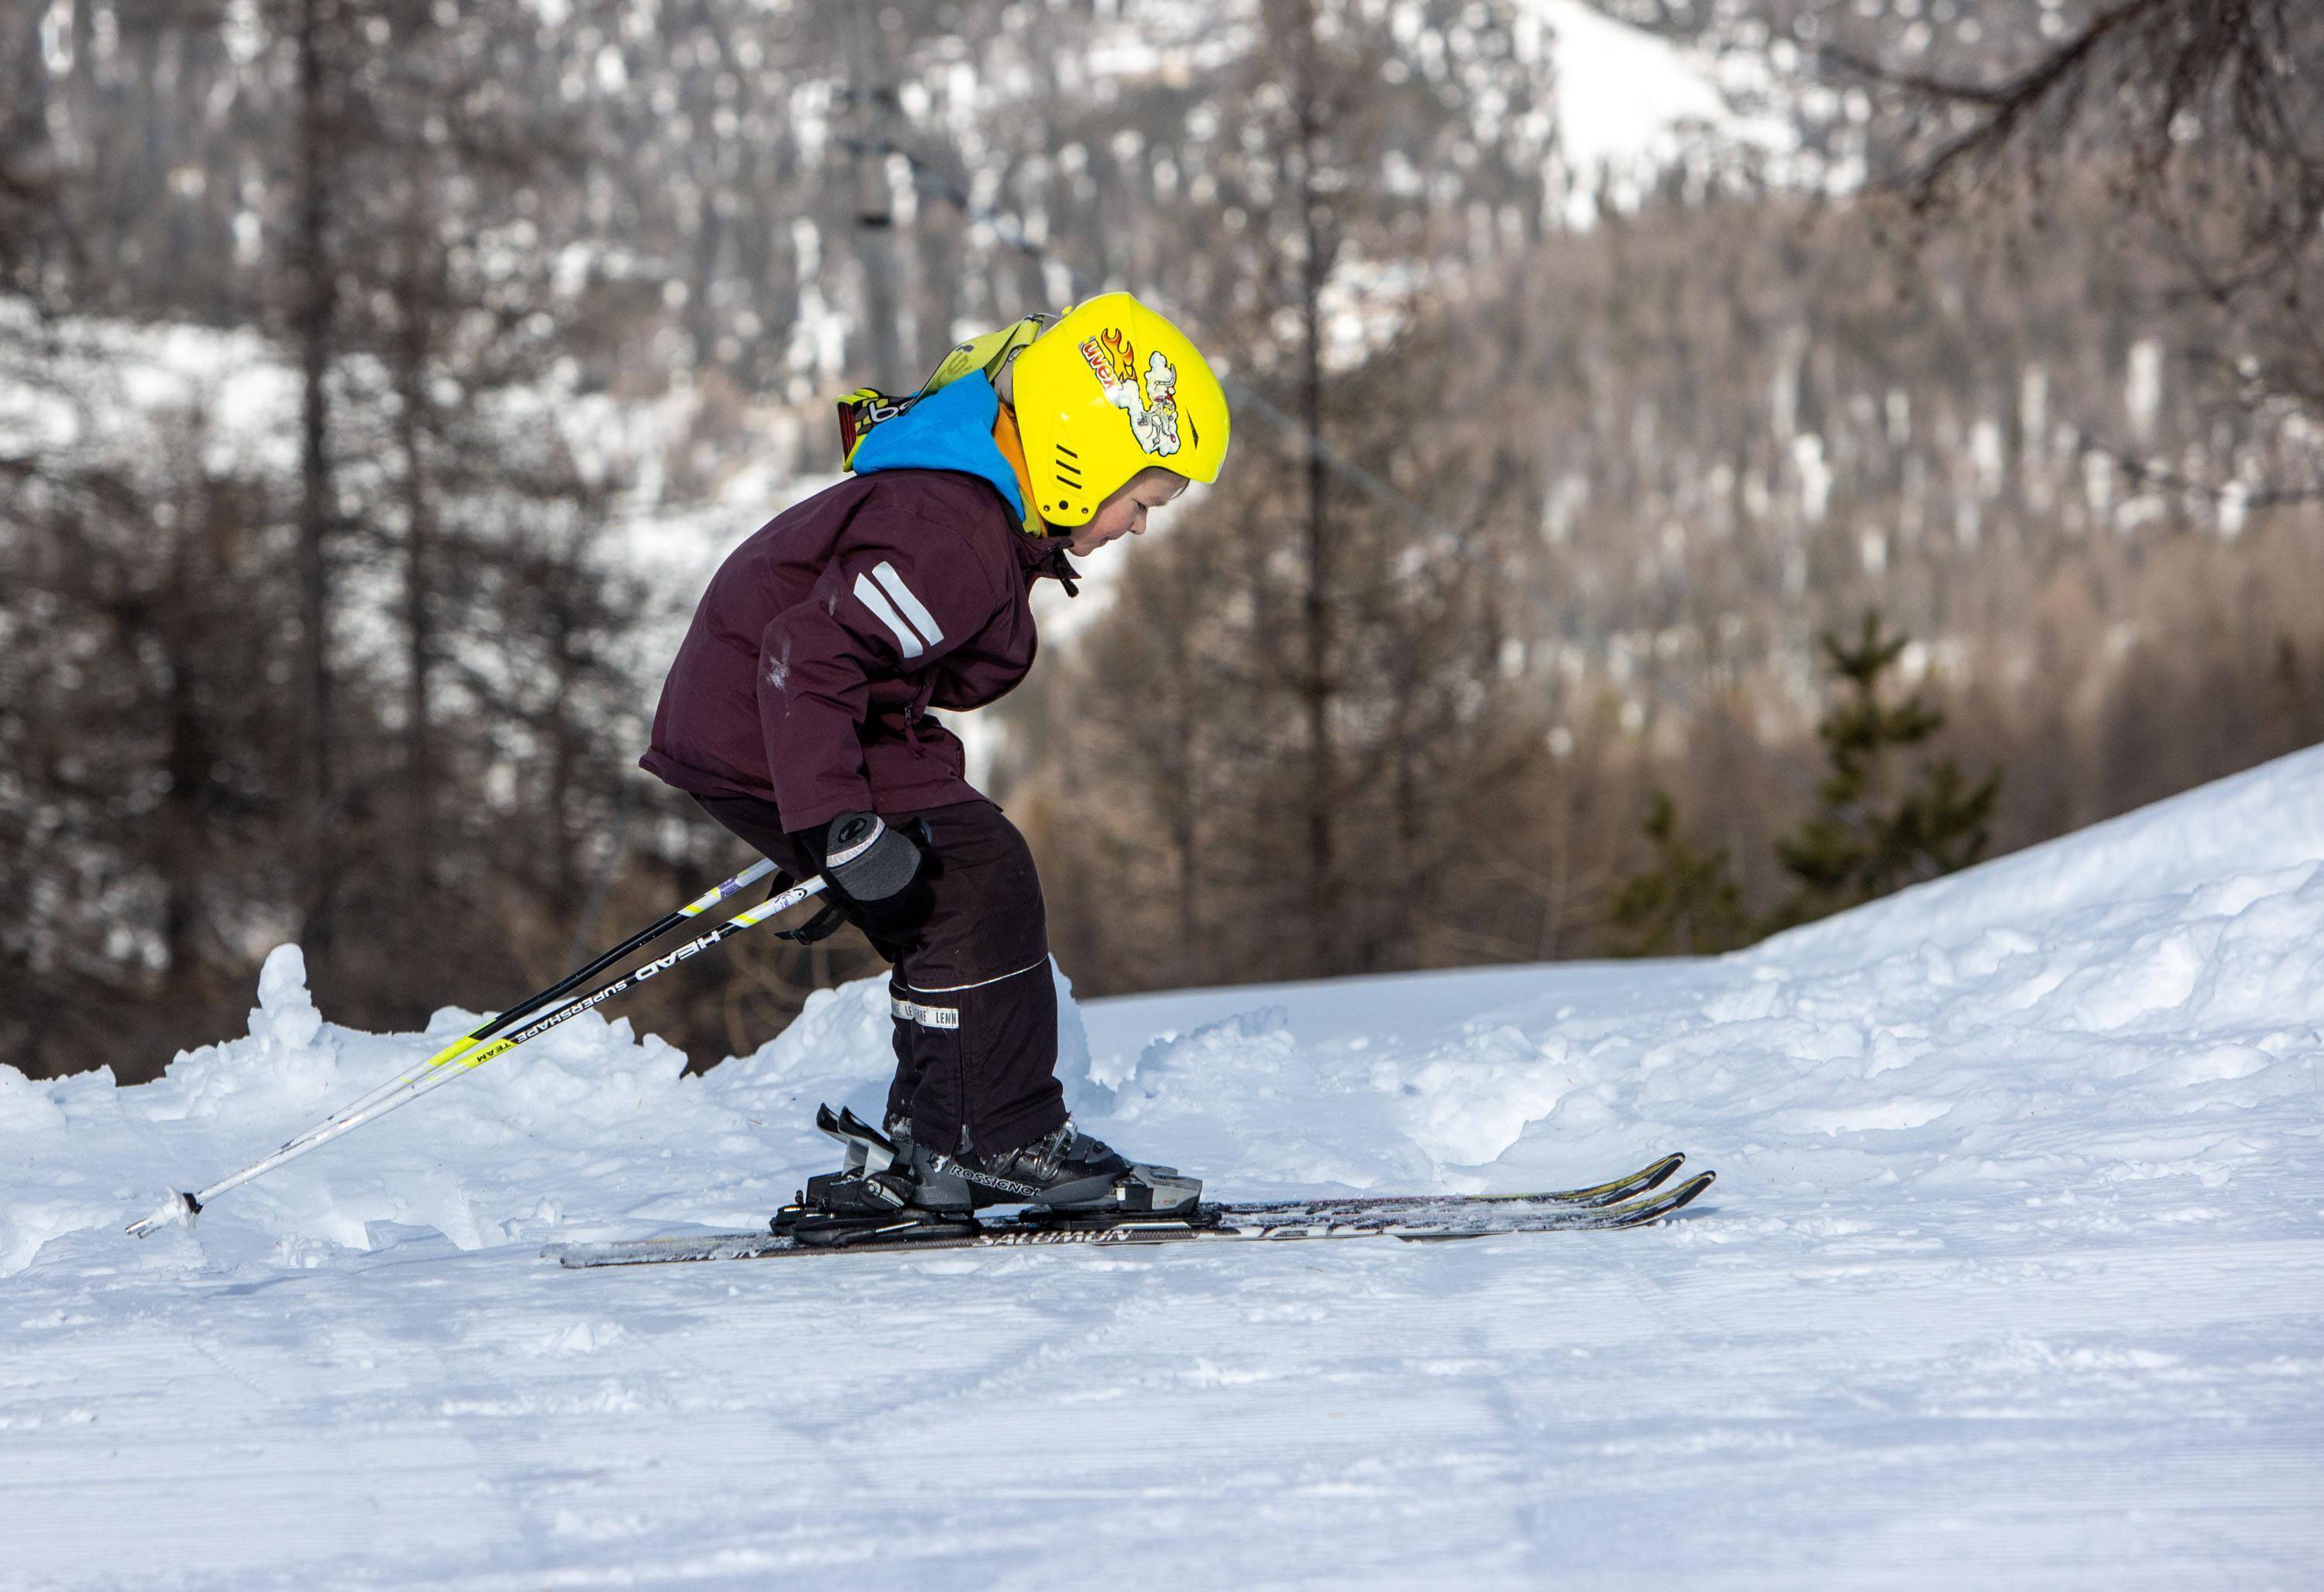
[{"x": 1065, "y": 1171}]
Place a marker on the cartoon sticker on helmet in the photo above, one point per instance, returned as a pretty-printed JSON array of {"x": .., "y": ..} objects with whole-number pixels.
[{"x": 1151, "y": 404}]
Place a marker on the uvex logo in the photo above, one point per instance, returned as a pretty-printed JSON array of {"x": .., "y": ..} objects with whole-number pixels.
[{"x": 660, "y": 963}]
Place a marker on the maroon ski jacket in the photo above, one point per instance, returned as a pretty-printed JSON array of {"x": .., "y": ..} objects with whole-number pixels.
[{"x": 806, "y": 676}]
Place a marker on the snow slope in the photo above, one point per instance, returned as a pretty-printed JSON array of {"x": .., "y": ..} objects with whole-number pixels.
[{"x": 2014, "y": 1276}]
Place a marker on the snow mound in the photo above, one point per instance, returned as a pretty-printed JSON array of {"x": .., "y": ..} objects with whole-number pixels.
[{"x": 590, "y": 1130}]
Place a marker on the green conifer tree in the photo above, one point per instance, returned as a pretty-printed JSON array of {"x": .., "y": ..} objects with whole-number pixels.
[
  {"x": 1872, "y": 834},
  {"x": 1685, "y": 903}
]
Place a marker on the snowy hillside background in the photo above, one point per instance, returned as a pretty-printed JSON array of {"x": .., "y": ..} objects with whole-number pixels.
[
  {"x": 2014, "y": 1276},
  {"x": 359, "y": 464}
]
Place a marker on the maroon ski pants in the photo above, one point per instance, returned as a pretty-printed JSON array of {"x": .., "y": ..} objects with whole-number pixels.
[{"x": 974, "y": 1008}]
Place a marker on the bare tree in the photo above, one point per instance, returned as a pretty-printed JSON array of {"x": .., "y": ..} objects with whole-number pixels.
[
  {"x": 323, "y": 46},
  {"x": 2206, "y": 117}
]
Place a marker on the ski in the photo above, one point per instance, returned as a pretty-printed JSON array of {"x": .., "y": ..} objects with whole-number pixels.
[{"x": 1411, "y": 1217}]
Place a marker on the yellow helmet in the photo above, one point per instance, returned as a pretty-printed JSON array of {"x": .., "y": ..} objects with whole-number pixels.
[{"x": 1108, "y": 391}]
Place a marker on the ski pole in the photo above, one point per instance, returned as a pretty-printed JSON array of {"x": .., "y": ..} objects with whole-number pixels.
[
  {"x": 184, "y": 1206},
  {"x": 533, "y": 1003}
]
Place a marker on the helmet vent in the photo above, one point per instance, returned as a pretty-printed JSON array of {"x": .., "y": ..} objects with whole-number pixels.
[{"x": 1069, "y": 453}]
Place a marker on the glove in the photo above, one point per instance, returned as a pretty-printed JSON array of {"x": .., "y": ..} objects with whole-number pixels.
[{"x": 866, "y": 860}]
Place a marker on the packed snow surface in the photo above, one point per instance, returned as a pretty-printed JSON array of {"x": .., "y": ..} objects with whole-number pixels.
[{"x": 2014, "y": 1276}]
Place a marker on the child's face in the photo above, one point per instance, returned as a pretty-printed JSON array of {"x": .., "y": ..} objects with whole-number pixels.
[{"x": 1124, "y": 514}]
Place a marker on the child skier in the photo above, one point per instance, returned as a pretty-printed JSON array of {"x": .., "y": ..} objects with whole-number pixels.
[{"x": 796, "y": 715}]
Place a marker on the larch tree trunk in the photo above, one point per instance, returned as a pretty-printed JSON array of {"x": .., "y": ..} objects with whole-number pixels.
[
  {"x": 313, "y": 314},
  {"x": 1321, "y": 795}
]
